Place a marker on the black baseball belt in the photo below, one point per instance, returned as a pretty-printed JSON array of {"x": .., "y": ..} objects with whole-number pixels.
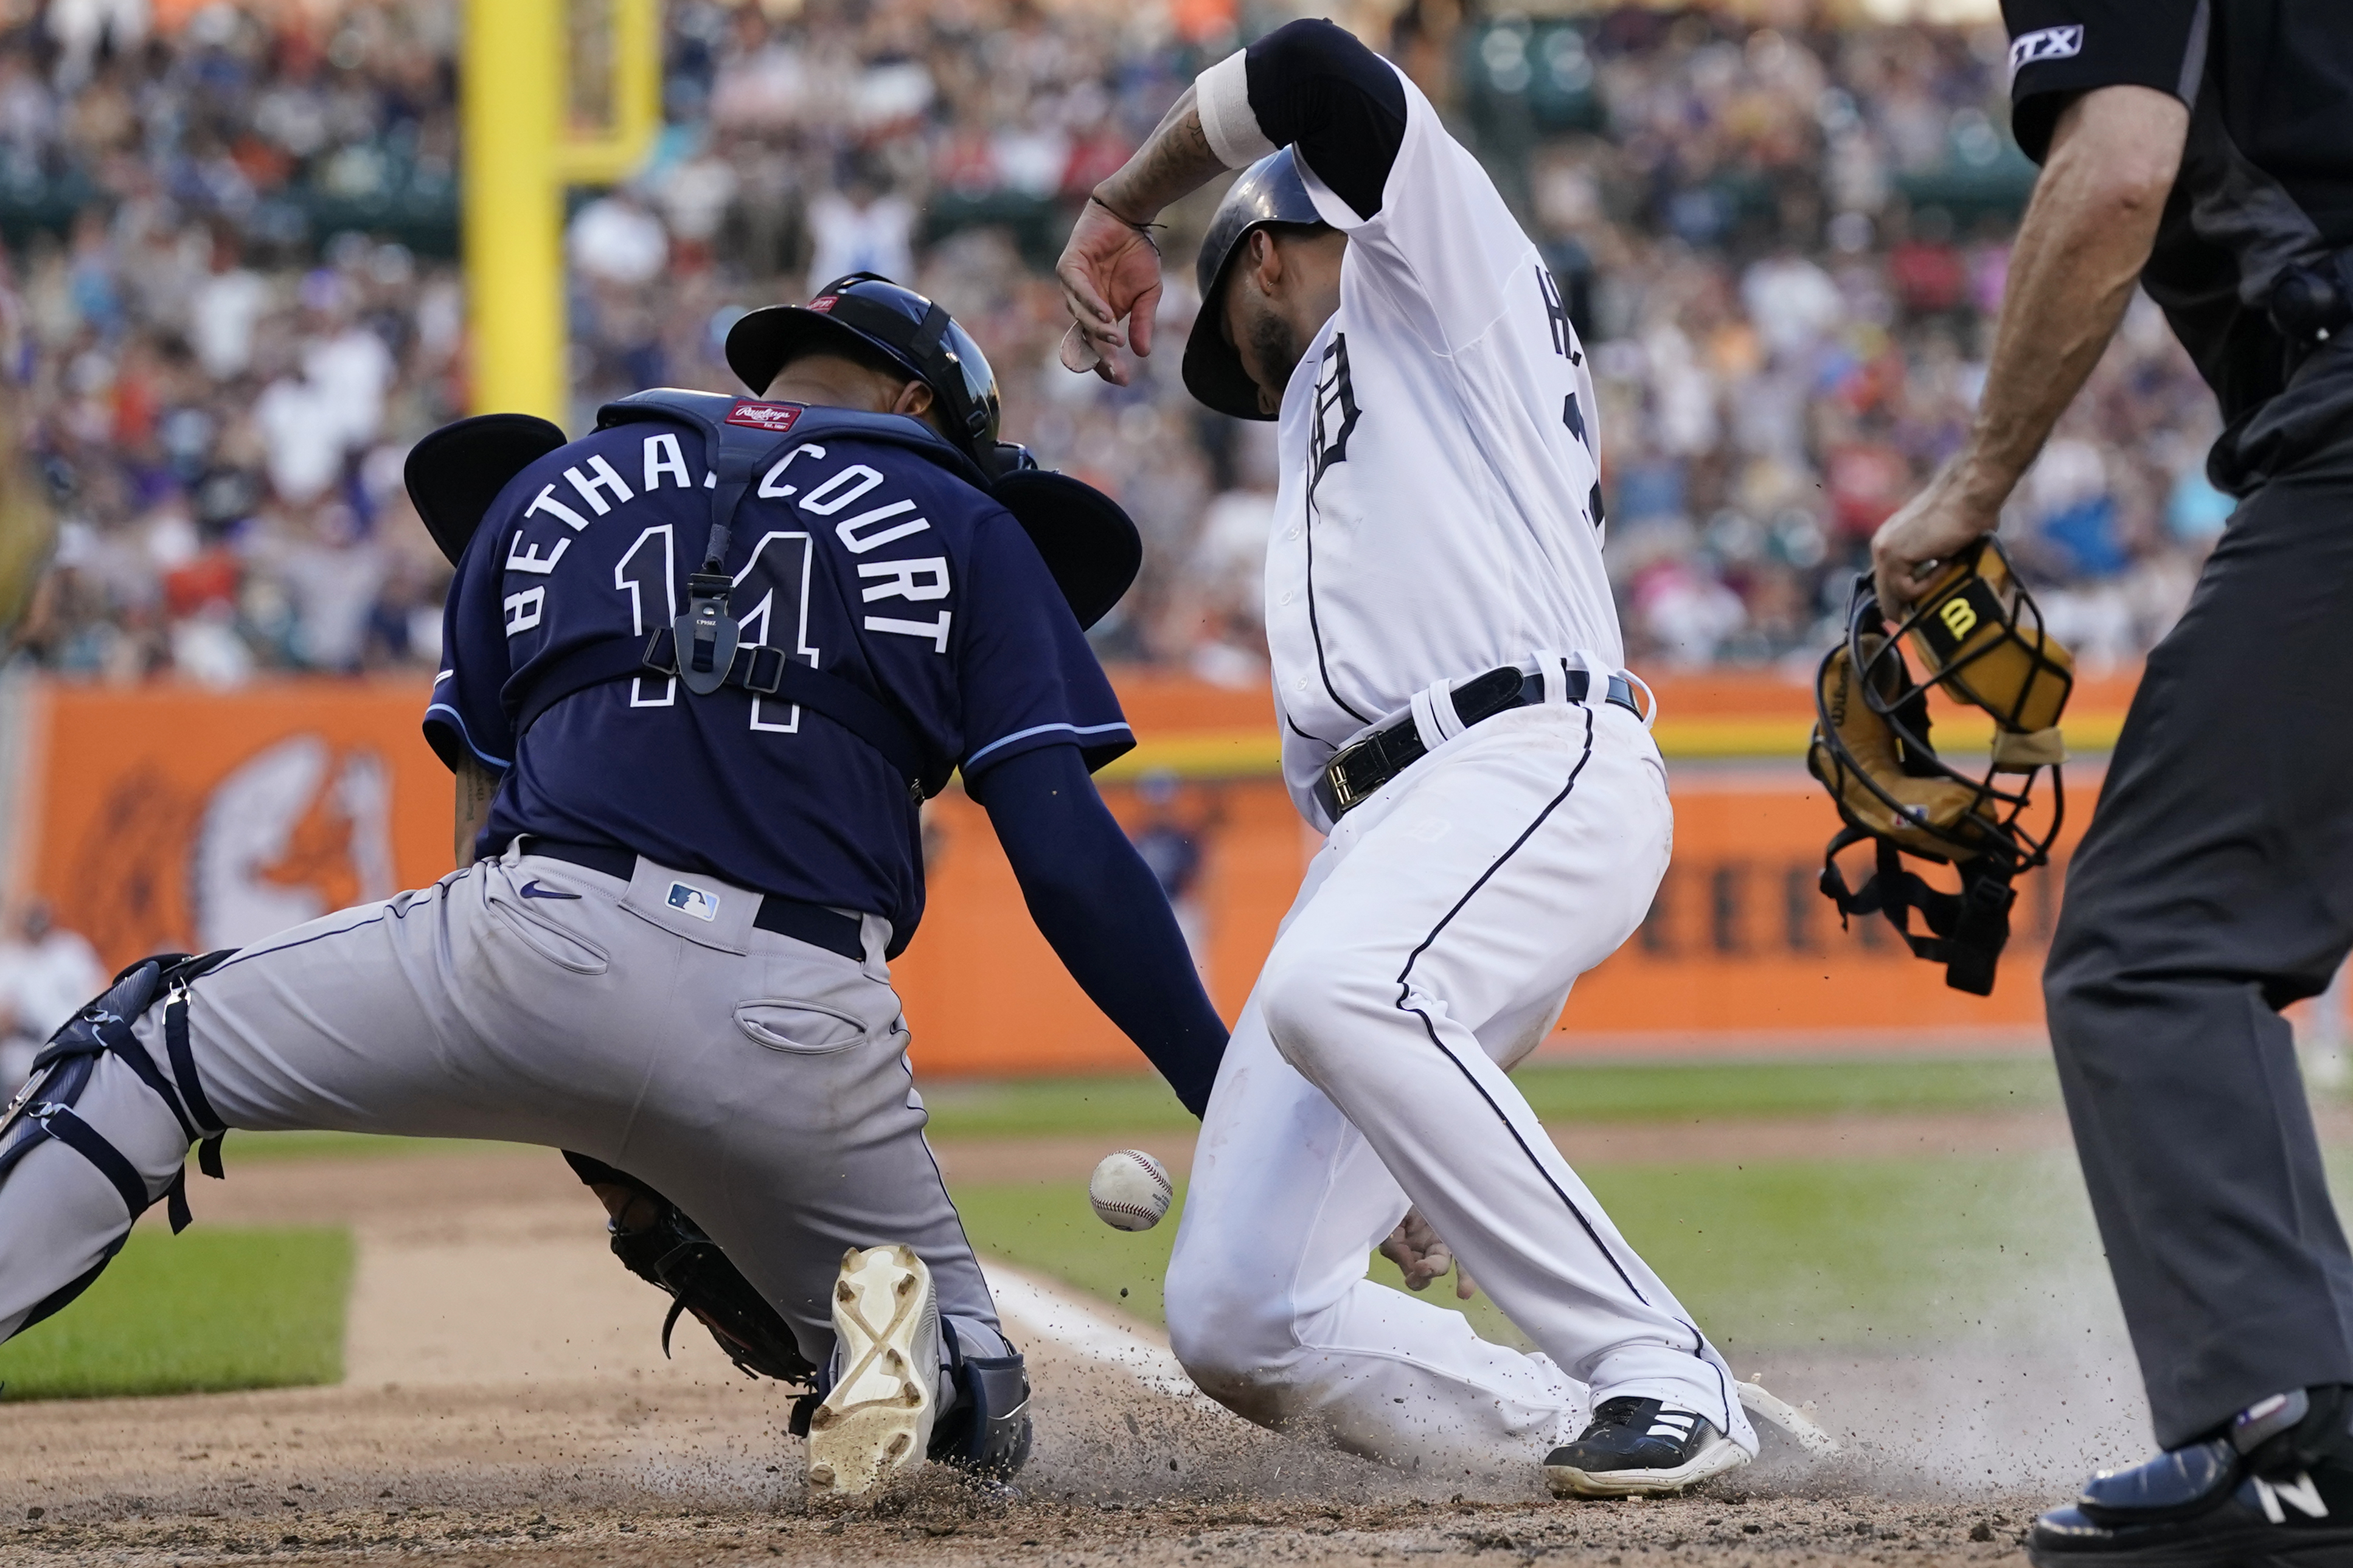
[
  {"x": 1360, "y": 768},
  {"x": 812, "y": 923}
]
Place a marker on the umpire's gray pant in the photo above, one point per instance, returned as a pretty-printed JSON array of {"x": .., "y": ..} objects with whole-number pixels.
[
  {"x": 758, "y": 1082},
  {"x": 2214, "y": 887}
]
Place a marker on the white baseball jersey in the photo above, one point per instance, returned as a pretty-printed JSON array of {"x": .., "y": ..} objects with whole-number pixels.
[
  {"x": 1436, "y": 512},
  {"x": 1436, "y": 519}
]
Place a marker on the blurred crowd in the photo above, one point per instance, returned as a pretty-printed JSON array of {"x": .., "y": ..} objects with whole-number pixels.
[{"x": 1783, "y": 243}]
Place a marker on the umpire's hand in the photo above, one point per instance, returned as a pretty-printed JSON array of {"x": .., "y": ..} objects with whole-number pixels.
[{"x": 1936, "y": 525}]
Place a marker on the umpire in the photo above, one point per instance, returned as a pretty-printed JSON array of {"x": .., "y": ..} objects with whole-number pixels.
[{"x": 2203, "y": 148}]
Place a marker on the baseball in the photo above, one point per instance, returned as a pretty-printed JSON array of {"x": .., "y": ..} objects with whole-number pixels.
[{"x": 1130, "y": 1190}]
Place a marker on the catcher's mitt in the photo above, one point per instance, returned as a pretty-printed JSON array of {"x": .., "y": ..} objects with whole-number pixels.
[
  {"x": 661, "y": 1245},
  {"x": 1980, "y": 641}
]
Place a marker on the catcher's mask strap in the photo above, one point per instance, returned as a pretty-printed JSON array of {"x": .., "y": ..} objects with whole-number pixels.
[
  {"x": 1966, "y": 930},
  {"x": 2022, "y": 754}
]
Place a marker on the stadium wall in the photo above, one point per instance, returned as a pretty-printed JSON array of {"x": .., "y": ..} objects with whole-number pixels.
[{"x": 166, "y": 816}]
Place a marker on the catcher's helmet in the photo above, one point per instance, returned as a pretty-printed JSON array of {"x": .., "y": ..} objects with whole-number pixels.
[
  {"x": 911, "y": 332},
  {"x": 1269, "y": 190},
  {"x": 1979, "y": 635}
]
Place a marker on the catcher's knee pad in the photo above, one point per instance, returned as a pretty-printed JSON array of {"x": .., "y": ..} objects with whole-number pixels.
[
  {"x": 987, "y": 1432},
  {"x": 44, "y": 1108},
  {"x": 667, "y": 1249}
]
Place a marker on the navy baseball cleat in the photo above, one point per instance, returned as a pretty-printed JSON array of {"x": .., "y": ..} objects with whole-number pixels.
[
  {"x": 2274, "y": 1490},
  {"x": 1641, "y": 1447}
]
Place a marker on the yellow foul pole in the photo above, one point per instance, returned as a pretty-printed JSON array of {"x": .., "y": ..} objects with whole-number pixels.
[{"x": 511, "y": 82}]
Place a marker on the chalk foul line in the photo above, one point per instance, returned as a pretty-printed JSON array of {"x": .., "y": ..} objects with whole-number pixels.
[{"x": 1072, "y": 1324}]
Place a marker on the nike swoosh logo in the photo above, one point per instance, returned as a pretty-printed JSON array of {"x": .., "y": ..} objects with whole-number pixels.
[{"x": 531, "y": 889}]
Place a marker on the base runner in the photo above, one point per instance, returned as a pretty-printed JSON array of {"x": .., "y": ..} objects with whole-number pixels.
[{"x": 1455, "y": 715}]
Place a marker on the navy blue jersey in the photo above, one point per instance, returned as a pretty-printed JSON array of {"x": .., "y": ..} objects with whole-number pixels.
[{"x": 859, "y": 557}]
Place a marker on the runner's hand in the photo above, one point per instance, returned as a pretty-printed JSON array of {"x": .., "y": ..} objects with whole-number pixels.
[
  {"x": 1110, "y": 274},
  {"x": 1421, "y": 1256}
]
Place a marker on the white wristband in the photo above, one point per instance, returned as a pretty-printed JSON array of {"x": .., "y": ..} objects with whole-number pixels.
[{"x": 1222, "y": 95}]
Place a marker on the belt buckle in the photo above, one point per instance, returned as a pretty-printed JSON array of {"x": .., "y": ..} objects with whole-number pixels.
[{"x": 1345, "y": 793}]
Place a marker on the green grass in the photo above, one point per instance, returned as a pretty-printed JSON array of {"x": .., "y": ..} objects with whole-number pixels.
[
  {"x": 1560, "y": 1092},
  {"x": 244, "y": 1146},
  {"x": 215, "y": 1309},
  {"x": 1838, "y": 1253},
  {"x": 1686, "y": 1091},
  {"x": 1048, "y": 1228}
]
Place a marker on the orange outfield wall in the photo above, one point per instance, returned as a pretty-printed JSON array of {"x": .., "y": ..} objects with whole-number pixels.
[{"x": 161, "y": 817}]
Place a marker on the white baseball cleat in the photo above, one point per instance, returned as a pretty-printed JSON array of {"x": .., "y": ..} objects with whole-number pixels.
[{"x": 877, "y": 1418}]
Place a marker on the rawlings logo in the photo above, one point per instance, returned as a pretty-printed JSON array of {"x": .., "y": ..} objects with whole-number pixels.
[
  {"x": 777, "y": 417},
  {"x": 823, "y": 304}
]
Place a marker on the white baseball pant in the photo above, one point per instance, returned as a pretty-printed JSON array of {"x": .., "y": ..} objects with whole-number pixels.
[{"x": 1432, "y": 944}]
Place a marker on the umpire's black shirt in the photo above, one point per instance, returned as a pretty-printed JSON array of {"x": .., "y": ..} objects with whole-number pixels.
[{"x": 2266, "y": 180}]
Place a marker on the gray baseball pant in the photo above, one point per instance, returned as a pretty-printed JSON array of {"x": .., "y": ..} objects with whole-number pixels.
[
  {"x": 2214, "y": 887},
  {"x": 760, "y": 1083}
]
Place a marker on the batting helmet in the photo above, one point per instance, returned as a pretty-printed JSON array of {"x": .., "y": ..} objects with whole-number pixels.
[
  {"x": 1269, "y": 190},
  {"x": 872, "y": 312}
]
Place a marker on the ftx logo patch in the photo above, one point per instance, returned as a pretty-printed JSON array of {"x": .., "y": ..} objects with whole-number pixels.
[
  {"x": 2048, "y": 44},
  {"x": 703, "y": 906},
  {"x": 778, "y": 417}
]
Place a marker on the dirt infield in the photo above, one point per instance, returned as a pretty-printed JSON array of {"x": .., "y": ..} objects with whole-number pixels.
[
  {"x": 690, "y": 1469},
  {"x": 506, "y": 1403}
]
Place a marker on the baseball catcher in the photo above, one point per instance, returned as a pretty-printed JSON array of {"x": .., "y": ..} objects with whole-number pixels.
[{"x": 704, "y": 666}]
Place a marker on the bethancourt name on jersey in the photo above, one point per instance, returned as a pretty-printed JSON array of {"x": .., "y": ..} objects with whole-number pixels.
[{"x": 600, "y": 487}]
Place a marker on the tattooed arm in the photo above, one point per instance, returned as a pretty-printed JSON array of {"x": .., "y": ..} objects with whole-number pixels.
[
  {"x": 1110, "y": 270},
  {"x": 1308, "y": 86},
  {"x": 477, "y": 787}
]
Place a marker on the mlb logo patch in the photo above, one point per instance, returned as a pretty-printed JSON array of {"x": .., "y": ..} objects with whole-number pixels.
[
  {"x": 2049, "y": 44},
  {"x": 778, "y": 417},
  {"x": 703, "y": 906}
]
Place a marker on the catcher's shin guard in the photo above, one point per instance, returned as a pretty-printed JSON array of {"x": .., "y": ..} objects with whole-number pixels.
[
  {"x": 43, "y": 1108},
  {"x": 987, "y": 1431}
]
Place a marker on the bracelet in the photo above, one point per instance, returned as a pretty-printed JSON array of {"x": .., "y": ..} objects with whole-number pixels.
[{"x": 1143, "y": 228}]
